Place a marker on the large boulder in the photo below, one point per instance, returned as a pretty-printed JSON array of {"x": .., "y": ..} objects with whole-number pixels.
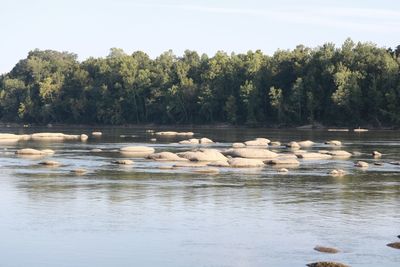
[
  {"x": 258, "y": 142},
  {"x": 313, "y": 156},
  {"x": 245, "y": 163},
  {"x": 166, "y": 156},
  {"x": 136, "y": 151},
  {"x": 253, "y": 153},
  {"x": 203, "y": 155}
]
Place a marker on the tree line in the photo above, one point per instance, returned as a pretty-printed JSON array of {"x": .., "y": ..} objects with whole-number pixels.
[{"x": 354, "y": 84}]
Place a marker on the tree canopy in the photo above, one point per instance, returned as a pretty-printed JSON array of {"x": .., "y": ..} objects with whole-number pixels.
[{"x": 354, "y": 84}]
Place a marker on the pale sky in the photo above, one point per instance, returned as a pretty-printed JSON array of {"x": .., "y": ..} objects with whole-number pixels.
[{"x": 92, "y": 27}]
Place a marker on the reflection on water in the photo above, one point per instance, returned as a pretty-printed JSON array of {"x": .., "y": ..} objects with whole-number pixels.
[{"x": 142, "y": 215}]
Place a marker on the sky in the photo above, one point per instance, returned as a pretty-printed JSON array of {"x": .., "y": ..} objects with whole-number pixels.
[{"x": 92, "y": 27}]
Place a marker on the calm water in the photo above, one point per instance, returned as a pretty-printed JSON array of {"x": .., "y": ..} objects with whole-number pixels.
[{"x": 144, "y": 216}]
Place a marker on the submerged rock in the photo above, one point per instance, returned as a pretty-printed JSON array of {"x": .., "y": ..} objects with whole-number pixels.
[
  {"x": 123, "y": 162},
  {"x": 51, "y": 163},
  {"x": 314, "y": 156},
  {"x": 327, "y": 264},
  {"x": 245, "y": 163},
  {"x": 79, "y": 171},
  {"x": 207, "y": 170},
  {"x": 191, "y": 164},
  {"x": 326, "y": 249},
  {"x": 337, "y": 173}
]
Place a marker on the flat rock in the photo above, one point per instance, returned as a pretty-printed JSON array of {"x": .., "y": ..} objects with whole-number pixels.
[
  {"x": 340, "y": 154},
  {"x": 123, "y": 162},
  {"x": 327, "y": 264},
  {"x": 395, "y": 245},
  {"x": 326, "y": 249},
  {"x": 258, "y": 142},
  {"x": 166, "y": 156},
  {"x": 220, "y": 163},
  {"x": 203, "y": 154},
  {"x": 253, "y": 153},
  {"x": 137, "y": 151},
  {"x": 207, "y": 170},
  {"x": 314, "y": 156},
  {"x": 281, "y": 162}
]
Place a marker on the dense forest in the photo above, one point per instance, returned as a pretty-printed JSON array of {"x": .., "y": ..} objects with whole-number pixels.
[{"x": 355, "y": 84}]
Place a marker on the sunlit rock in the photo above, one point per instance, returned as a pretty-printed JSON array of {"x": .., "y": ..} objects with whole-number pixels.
[
  {"x": 376, "y": 154},
  {"x": 166, "y": 156},
  {"x": 238, "y": 145},
  {"x": 283, "y": 162},
  {"x": 340, "y": 154},
  {"x": 337, "y": 172},
  {"x": 314, "y": 156},
  {"x": 306, "y": 143},
  {"x": 136, "y": 151},
  {"x": 256, "y": 153},
  {"x": 258, "y": 142},
  {"x": 97, "y": 134},
  {"x": 203, "y": 154},
  {"x": 361, "y": 164},
  {"x": 333, "y": 143}
]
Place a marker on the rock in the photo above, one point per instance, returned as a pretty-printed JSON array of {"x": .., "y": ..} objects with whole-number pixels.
[
  {"x": 79, "y": 171},
  {"x": 137, "y": 151},
  {"x": 395, "y": 162},
  {"x": 97, "y": 134},
  {"x": 314, "y": 156},
  {"x": 339, "y": 154},
  {"x": 238, "y": 145},
  {"x": 327, "y": 264},
  {"x": 149, "y": 131},
  {"x": 333, "y": 143},
  {"x": 285, "y": 162},
  {"x": 337, "y": 173},
  {"x": 203, "y": 154},
  {"x": 338, "y": 130},
  {"x": 53, "y": 137},
  {"x": 207, "y": 170},
  {"x": 324, "y": 151},
  {"x": 219, "y": 163},
  {"x": 299, "y": 152},
  {"x": 376, "y": 154},
  {"x": 123, "y": 162},
  {"x": 205, "y": 140},
  {"x": 84, "y": 137},
  {"x": 245, "y": 163},
  {"x": 287, "y": 156},
  {"x": 361, "y": 164},
  {"x": 395, "y": 245},
  {"x": 165, "y": 167},
  {"x": 306, "y": 143},
  {"x": 275, "y": 143},
  {"x": 30, "y": 151},
  {"x": 253, "y": 153},
  {"x": 192, "y": 141},
  {"x": 185, "y": 142},
  {"x": 293, "y": 145},
  {"x": 326, "y": 249},
  {"x": 360, "y": 130},
  {"x": 379, "y": 163},
  {"x": 51, "y": 163},
  {"x": 166, "y": 156},
  {"x": 258, "y": 142},
  {"x": 96, "y": 150},
  {"x": 283, "y": 170},
  {"x": 172, "y": 133},
  {"x": 153, "y": 140}
]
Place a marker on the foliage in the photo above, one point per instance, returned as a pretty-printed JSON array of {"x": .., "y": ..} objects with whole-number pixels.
[{"x": 357, "y": 83}]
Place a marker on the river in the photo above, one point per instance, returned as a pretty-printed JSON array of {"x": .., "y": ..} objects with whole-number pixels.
[{"x": 142, "y": 215}]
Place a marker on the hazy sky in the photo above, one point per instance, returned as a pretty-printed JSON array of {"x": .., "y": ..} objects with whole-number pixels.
[{"x": 92, "y": 27}]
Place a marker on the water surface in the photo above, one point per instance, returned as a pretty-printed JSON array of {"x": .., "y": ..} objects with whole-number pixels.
[{"x": 145, "y": 216}]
